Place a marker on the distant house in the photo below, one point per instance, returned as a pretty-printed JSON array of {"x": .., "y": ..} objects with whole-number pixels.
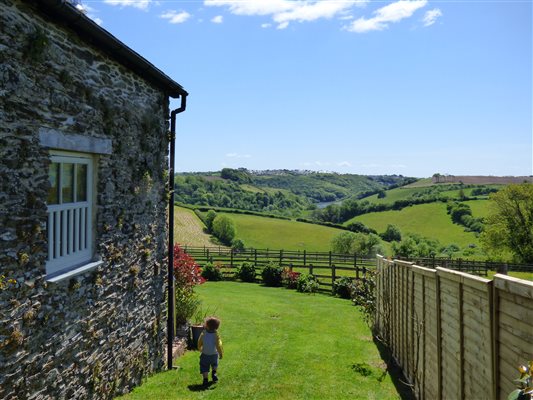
[{"x": 83, "y": 206}]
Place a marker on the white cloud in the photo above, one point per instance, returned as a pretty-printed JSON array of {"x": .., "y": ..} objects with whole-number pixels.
[
  {"x": 266, "y": 25},
  {"x": 393, "y": 12},
  {"x": 344, "y": 164},
  {"x": 175, "y": 17},
  {"x": 89, "y": 12},
  {"x": 237, "y": 155},
  {"x": 431, "y": 16},
  {"x": 218, "y": 19},
  {"x": 141, "y": 4},
  {"x": 285, "y": 11}
]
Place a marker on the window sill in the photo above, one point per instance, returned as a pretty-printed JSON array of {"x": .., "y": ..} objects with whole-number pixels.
[{"x": 80, "y": 269}]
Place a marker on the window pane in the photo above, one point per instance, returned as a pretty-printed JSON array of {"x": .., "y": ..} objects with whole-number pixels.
[
  {"x": 67, "y": 182},
  {"x": 53, "y": 178},
  {"x": 81, "y": 182}
]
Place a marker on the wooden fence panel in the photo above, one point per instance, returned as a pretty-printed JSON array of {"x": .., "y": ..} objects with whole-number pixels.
[
  {"x": 456, "y": 336},
  {"x": 513, "y": 310}
]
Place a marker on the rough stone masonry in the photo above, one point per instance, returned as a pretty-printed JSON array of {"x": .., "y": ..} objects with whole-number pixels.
[{"x": 97, "y": 334}]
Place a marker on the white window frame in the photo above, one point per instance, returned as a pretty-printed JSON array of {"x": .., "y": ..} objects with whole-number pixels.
[{"x": 70, "y": 225}]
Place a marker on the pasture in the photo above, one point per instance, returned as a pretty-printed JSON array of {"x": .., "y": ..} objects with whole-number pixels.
[
  {"x": 280, "y": 344},
  {"x": 429, "y": 220},
  {"x": 262, "y": 233}
]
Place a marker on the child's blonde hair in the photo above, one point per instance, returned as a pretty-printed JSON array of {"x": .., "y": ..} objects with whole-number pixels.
[{"x": 212, "y": 323}]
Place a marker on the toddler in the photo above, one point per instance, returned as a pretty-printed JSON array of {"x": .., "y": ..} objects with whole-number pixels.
[{"x": 210, "y": 345}]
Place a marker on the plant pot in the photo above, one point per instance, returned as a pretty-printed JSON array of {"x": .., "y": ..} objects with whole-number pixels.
[{"x": 196, "y": 330}]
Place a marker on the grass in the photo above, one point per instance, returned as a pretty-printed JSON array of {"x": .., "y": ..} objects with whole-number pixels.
[
  {"x": 262, "y": 233},
  {"x": 480, "y": 208},
  {"x": 528, "y": 276},
  {"x": 188, "y": 229},
  {"x": 430, "y": 220},
  {"x": 280, "y": 344},
  {"x": 401, "y": 193}
]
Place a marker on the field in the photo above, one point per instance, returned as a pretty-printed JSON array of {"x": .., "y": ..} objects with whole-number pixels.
[
  {"x": 280, "y": 344},
  {"x": 480, "y": 208},
  {"x": 260, "y": 232},
  {"x": 430, "y": 220},
  {"x": 188, "y": 229},
  {"x": 406, "y": 193}
]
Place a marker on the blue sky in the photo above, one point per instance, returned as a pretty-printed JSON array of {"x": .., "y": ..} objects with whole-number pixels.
[{"x": 367, "y": 87}]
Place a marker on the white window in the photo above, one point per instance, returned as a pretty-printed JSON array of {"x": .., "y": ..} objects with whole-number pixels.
[{"x": 70, "y": 212}]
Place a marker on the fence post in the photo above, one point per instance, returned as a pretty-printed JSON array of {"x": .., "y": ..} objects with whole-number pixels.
[
  {"x": 305, "y": 256},
  {"x": 333, "y": 277},
  {"x": 281, "y": 258},
  {"x": 311, "y": 269},
  {"x": 207, "y": 254},
  {"x": 231, "y": 260},
  {"x": 439, "y": 336},
  {"x": 255, "y": 258},
  {"x": 355, "y": 266}
]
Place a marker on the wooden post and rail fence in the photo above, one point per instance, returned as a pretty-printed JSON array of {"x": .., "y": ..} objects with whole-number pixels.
[
  {"x": 455, "y": 335},
  {"x": 326, "y": 266}
]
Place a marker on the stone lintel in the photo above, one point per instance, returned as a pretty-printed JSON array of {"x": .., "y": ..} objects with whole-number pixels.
[{"x": 74, "y": 142}]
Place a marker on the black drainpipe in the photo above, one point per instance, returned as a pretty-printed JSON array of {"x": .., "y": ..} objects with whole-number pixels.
[{"x": 170, "y": 317}]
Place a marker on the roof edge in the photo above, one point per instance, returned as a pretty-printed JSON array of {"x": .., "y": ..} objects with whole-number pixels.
[{"x": 65, "y": 13}]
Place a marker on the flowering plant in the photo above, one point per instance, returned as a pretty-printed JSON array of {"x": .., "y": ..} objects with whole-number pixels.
[
  {"x": 186, "y": 271},
  {"x": 289, "y": 278},
  {"x": 187, "y": 274},
  {"x": 525, "y": 384}
]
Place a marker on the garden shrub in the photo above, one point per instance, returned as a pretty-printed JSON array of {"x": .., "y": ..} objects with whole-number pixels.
[
  {"x": 187, "y": 275},
  {"x": 246, "y": 272},
  {"x": 343, "y": 287},
  {"x": 364, "y": 296},
  {"x": 237, "y": 245},
  {"x": 271, "y": 274},
  {"x": 212, "y": 272},
  {"x": 307, "y": 283},
  {"x": 289, "y": 279}
]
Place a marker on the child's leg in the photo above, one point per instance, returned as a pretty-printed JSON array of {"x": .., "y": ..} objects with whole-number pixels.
[
  {"x": 214, "y": 367},
  {"x": 204, "y": 368}
]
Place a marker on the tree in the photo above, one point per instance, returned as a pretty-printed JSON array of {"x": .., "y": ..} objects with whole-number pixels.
[
  {"x": 509, "y": 226},
  {"x": 392, "y": 233},
  {"x": 358, "y": 243},
  {"x": 209, "y": 218},
  {"x": 224, "y": 229},
  {"x": 342, "y": 243}
]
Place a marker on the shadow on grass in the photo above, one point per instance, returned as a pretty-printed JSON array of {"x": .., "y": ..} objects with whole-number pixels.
[
  {"x": 201, "y": 387},
  {"x": 404, "y": 390}
]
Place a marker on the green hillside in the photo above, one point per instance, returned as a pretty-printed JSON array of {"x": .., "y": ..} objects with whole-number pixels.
[
  {"x": 260, "y": 232},
  {"x": 430, "y": 220},
  {"x": 449, "y": 191},
  {"x": 320, "y": 187}
]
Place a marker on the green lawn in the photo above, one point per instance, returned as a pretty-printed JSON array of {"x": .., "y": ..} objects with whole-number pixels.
[
  {"x": 261, "y": 233},
  {"x": 280, "y": 344},
  {"x": 430, "y": 220}
]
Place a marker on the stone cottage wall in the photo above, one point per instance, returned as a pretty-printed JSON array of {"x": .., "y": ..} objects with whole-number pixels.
[{"x": 97, "y": 334}]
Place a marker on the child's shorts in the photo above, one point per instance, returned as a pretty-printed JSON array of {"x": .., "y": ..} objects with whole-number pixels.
[{"x": 207, "y": 361}]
